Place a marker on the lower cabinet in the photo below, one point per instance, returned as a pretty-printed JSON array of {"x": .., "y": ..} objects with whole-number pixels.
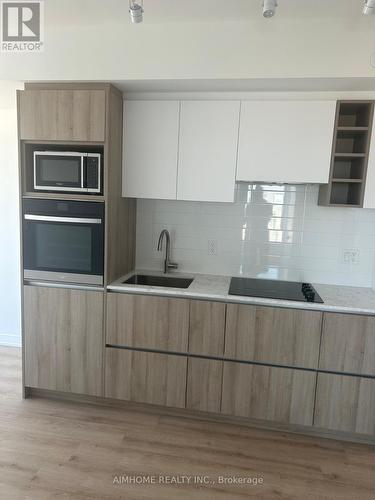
[
  {"x": 63, "y": 330},
  {"x": 345, "y": 403},
  {"x": 204, "y": 384},
  {"x": 268, "y": 393},
  {"x": 146, "y": 377}
]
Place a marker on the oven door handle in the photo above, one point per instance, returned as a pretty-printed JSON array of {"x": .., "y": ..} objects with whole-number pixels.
[{"x": 74, "y": 220}]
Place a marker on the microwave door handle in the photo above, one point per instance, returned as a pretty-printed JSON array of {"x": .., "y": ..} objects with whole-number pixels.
[
  {"x": 70, "y": 220},
  {"x": 82, "y": 171}
]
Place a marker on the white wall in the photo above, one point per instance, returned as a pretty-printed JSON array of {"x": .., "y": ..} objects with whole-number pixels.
[
  {"x": 271, "y": 231},
  {"x": 10, "y": 330},
  {"x": 94, "y": 40}
]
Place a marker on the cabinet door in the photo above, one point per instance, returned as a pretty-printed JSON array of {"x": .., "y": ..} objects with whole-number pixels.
[
  {"x": 147, "y": 322},
  {"x": 62, "y": 115},
  {"x": 146, "y": 377},
  {"x": 348, "y": 344},
  {"x": 206, "y": 328},
  {"x": 273, "y": 335},
  {"x": 150, "y": 149},
  {"x": 268, "y": 393},
  {"x": 204, "y": 384},
  {"x": 345, "y": 403},
  {"x": 208, "y": 150},
  {"x": 63, "y": 339},
  {"x": 285, "y": 141},
  {"x": 369, "y": 198}
]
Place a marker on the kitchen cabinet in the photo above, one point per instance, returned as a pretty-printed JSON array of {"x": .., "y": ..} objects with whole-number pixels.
[
  {"x": 147, "y": 322},
  {"x": 150, "y": 149},
  {"x": 63, "y": 332},
  {"x": 345, "y": 403},
  {"x": 204, "y": 383},
  {"x": 348, "y": 344},
  {"x": 207, "y": 150},
  {"x": 273, "y": 335},
  {"x": 62, "y": 115},
  {"x": 146, "y": 377},
  {"x": 369, "y": 190},
  {"x": 206, "y": 328},
  {"x": 285, "y": 141},
  {"x": 268, "y": 393}
]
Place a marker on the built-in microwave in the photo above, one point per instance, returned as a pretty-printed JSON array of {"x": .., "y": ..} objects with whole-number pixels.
[
  {"x": 63, "y": 241},
  {"x": 67, "y": 171}
]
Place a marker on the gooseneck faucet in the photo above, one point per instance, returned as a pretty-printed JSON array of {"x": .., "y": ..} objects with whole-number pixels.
[{"x": 167, "y": 263}]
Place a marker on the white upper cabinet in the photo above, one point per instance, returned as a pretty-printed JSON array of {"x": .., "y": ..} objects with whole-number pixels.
[
  {"x": 150, "y": 149},
  {"x": 369, "y": 199},
  {"x": 285, "y": 141},
  {"x": 208, "y": 150}
]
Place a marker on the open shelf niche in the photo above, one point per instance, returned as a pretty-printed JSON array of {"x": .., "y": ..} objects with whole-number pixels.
[{"x": 350, "y": 151}]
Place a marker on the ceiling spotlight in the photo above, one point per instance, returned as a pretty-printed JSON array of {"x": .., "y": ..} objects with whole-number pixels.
[
  {"x": 369, "y": 7},
  {"x": 269, "y": 8},
  {"x": 136, "y": 11}
]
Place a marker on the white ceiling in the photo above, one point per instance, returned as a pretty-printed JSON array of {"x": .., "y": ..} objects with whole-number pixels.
[{"x": 165, "y": 11}]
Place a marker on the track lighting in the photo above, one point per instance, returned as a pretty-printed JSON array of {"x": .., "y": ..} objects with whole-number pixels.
[
  {"x": 369, "y": 7},
  {"x": 269, "y": 8},
  {"x": 136, "y": 11}
]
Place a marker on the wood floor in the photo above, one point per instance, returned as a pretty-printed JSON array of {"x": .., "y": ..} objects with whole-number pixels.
[{"x": 64, "y": 450}]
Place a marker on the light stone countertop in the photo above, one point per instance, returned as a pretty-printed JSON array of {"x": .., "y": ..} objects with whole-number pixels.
[{"x": 343, "y": 299}]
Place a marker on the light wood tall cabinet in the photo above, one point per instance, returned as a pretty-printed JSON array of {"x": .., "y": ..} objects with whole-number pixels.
[
  {"x": 62, "y": 115},
  {"x": 63, "y": 331}
]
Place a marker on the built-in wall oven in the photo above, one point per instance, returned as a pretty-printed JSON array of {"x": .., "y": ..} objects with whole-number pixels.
[{"x": 63, "y": 241}]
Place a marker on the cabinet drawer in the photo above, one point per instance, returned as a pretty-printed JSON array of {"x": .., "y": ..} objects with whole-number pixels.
[
  {"x": 206, "y": 328},
  {"x": 62, "y": 115},
  {"x": 348, "y": 343},
  {"x": 146, "y": 377},
  {"x": 204, "y": 384},
  {"x": 273, "y": 335},
  {"x": 268, "y": 393},
  {"x": 148, "y": 322},
  {"x": 345, "y": 403}
]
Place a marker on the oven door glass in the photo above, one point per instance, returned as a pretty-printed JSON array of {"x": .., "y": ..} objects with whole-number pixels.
[
  {"x": 63, "y": 245},
  {"x": 58, "y": 172}
]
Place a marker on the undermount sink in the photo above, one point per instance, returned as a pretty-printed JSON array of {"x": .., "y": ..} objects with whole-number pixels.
[{"x": 167, "y": 281}]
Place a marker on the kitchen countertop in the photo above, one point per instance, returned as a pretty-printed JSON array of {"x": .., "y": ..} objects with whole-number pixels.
[{"x": 343, "y": 299}]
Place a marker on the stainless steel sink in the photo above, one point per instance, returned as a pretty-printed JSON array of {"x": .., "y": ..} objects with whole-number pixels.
[{"x": 166, "y": 281}]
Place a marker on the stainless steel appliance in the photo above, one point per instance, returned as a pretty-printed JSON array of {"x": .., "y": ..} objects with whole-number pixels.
[
  {"x": 63, "y": 241},
  {"x": 67, "y": 171},
  {"x": 274, "y": 289}
]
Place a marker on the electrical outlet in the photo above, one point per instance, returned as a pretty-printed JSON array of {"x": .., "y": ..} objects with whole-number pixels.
[
  {"x": 350, "y": 256},
  {"x": 212, "y": 247}
]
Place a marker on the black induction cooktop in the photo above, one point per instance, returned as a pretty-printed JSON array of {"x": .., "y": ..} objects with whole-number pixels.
[{"x": 274, "y": 289}]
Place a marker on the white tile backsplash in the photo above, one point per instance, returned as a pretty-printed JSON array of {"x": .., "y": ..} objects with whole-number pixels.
[{"x": 271, "y": 231}]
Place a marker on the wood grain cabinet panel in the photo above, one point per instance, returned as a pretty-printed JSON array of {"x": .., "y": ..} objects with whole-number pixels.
[
  {"x": 146, "y": 377},
  {"x": 206, "y": 328},
  {"x": 147, "y": 322},
  {"x": 268, "y": 393},
  {"x": 348, "y": 343},
  {"x": 63, "y": 331},
  {"x": 62, "y": 115},
  {"x": 345, "y": 403},
  {"x": 273, "y": 335},
  {"x": 204, "y": 384}
]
